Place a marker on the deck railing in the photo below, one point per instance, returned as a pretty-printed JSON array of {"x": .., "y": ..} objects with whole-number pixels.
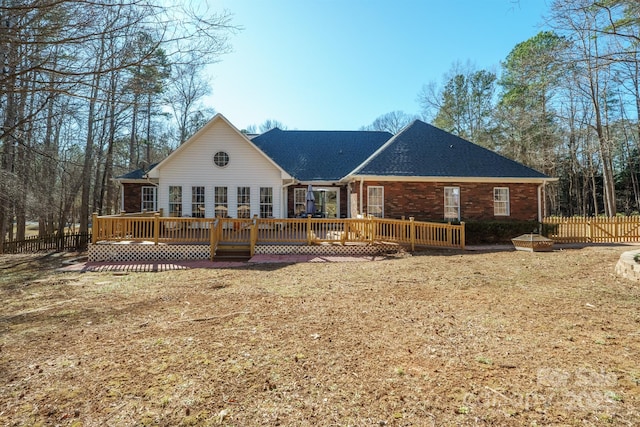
[
  {"x": 214, "y": 231},
  {"x": 593, "y": 229}
]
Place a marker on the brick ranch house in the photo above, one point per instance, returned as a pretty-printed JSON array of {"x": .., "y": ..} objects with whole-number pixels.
[{"x": 421, "y": 172}]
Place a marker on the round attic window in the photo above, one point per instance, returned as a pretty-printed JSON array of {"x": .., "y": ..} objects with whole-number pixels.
[{"x": 221, "y": 159}]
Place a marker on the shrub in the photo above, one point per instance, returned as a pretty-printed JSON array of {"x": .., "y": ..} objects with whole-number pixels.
[{"x": 484, "y": 232}]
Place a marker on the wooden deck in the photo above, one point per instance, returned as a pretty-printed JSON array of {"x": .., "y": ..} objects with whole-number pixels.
[{"x": 154, "y": 229}]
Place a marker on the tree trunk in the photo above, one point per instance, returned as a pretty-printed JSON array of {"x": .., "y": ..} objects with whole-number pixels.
[{"x": 85, "y": 209}]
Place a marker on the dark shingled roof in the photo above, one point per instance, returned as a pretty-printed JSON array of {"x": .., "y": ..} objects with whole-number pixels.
[
  {"x": 426, "y": 151},
  {"x": 319, "y": 155},
  {"x": 138, "y": 173}
]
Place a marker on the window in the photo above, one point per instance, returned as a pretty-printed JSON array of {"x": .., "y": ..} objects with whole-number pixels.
[
  {"x": 244, "y": 202},
  {"x": 299, "y": 201},
  {"x": 375, "y": 201},
  {"x": 266, "y": 202},
  {"x": 197, "y": 202},
  {"x": 148, "y": 199},
  {"x": 452, "y": 203},
  {"x": 221, "y": 159},
  {"x": 220, "y": 201},
  {"x": 175, "y": 200},
  {"x": 501, "y": 201}
]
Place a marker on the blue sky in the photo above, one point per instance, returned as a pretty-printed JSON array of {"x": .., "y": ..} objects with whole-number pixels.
[{"x": 339, "y": 64}]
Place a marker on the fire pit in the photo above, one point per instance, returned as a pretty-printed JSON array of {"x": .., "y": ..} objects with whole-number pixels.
[{"x": 532, "y": 243}]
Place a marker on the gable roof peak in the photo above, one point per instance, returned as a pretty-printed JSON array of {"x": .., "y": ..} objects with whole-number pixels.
[{"x": 218, "y": 117}]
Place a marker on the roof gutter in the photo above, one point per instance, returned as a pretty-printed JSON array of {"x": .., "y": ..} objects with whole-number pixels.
[{"x": 505, "y": 179}]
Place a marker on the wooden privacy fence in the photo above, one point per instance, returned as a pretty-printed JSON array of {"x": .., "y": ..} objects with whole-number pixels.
[
  {"x": 616, "y": 229},
  {"x": 158, "y": 229},
  {"x": 67, "y": 242}
]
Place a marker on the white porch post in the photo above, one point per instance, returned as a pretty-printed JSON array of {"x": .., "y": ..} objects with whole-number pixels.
[{"x": 361, "y": 196}]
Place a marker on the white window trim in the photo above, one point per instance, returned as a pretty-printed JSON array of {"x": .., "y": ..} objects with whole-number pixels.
[
  {"x": 154, "y": 199},
  {"x": 221, "y": 205},
  {"x": 506, "y": 203},
  {"x": 369, "y": 204},
  {"x": 195, "y": 204},
  {"x": 179, "y": 203},
  {"x": 449, "y": 206},
  {"x": 266, "y": 204},
  {"x": 240, "y": 203}
]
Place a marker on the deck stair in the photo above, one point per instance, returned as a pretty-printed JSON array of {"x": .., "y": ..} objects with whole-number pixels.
[{"x": 232, "y": 252}]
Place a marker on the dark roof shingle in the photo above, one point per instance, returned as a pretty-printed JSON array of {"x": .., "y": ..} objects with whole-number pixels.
[
  {"x": 138, "y": 173},
  {"x": 319, "y": 155},
  {"x": 423, "y": 150}
]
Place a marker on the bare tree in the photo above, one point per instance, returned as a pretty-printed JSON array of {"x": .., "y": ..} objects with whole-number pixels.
[
  {"x": 269, "y": 124},
  {"x": 186, "y": 88},
  {"x": 392, "y": 122},
  {"x": 593, "y": 76},
  {"x": 64, "y": 102}
]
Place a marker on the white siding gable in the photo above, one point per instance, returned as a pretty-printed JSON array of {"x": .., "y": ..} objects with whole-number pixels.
[{"x": 192, "y": 165}]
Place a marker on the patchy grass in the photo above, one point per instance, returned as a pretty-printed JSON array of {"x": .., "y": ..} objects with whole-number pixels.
[{"x": 440, "y": 338}]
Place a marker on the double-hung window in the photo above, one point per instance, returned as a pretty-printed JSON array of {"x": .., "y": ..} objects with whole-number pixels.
[
  {"x": 148, "y": 199},
  {"x": 175, "y": 200},
  {"x": 452, "y": 203},
  {"x": 244, "y": 202},
  {"x": 266, "y": 202},
  {"x": 501, "y": 201},
  {"x": 197, "y": 202},
  {"x": 221, "y": 202},
  {"x": 375, "y": 201}
]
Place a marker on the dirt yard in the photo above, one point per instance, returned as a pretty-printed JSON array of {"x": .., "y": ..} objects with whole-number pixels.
[{"x": 439, "y": 338}]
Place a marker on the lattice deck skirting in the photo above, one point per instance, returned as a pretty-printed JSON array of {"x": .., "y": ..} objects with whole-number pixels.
[
  {"x": 129, "y": 251},
  {"x": 328, "y": 249},
  {"x": 146, "y": 252}
]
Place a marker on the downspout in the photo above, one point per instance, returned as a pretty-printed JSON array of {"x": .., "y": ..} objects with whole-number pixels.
[
  {"x": 121, "y": 197},
  {"x": 540, "y": 201},
  {"x": 350, "y": 185}
]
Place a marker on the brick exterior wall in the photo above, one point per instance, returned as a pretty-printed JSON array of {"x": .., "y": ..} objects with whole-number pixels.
[
  {"x": 422, "y": 200},
  {"x": 132, "y": 194},
  {"x": 425, "y": 200}
]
